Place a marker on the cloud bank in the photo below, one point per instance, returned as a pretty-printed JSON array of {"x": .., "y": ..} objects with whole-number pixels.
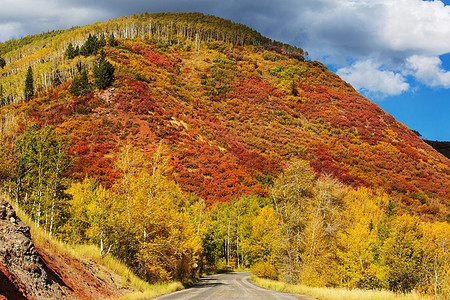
[{"x": 373, "y": 79}]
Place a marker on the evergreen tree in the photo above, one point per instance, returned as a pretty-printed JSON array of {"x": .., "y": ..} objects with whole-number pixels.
[
  {"x": 101, "y": 42},
  {"x": 79, "y": 66},
  {"x": 103, "y": 74},
  {"x": 294, "y": 88},
  {"x": 2, "y": 62},
  {"x": 70, "y": 52},
  {"x": 75, "y": 86},
  {"x": 112, "y": 41},
  {"x": 80, "y": 84},
  {"x": 29, "y": 85},
  {"x": 84, "y": 83},
  {"x": 90, "y": 47}
]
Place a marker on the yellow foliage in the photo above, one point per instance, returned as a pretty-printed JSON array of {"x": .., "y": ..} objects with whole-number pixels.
[{"x": 262, "y": 243}]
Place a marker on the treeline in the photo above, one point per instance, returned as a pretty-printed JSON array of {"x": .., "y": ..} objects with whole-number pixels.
[
  {"x": 93, "y": 58},
  {"x": 175, "y": 27},
  {"x": 53, "y": 53},
  {"x": 311, "y": 230},
  {"x": 317, "y": 232}
]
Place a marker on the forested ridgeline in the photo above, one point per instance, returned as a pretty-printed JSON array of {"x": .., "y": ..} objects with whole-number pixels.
[{"x": 47, "y": 52}]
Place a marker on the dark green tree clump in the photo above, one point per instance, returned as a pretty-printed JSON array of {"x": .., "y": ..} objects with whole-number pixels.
[
  {"x": 80, "y": 84},
  {"x": 2, "y": 62},
  {"x": 103, "y": 74},
  {"x": 29, "y": 85},
  {"x": 72, "y": 52},
  {"x": 112, "y": 41},
  {"x": 90, "y": 47}
]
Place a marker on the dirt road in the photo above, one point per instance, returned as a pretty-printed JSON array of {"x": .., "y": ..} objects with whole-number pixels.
[{"x": 236, "y": 285}]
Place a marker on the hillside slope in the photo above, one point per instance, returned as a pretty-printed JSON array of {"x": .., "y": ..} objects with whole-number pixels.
[
  {"x": 43, "y": 272},
  {"x": 234, "y": 108},
  {"x": 35, "y": 266}
]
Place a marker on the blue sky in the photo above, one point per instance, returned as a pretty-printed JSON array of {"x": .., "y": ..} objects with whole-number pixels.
[{"x": 395, "y": 52}]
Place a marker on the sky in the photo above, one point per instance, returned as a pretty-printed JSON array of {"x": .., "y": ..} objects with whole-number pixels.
[{"x": 395, "y": 52}]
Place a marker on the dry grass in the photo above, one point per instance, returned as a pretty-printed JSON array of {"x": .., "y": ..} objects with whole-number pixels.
[
  {"x": 336, "y": 293},
  {"x": 155, "y": 291}
]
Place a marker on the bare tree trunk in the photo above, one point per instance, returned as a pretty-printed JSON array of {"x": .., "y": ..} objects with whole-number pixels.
[{"x": 228, "y": 244}]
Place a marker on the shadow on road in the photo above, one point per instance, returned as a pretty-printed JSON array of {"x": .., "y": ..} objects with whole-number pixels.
[{"x": 207, "y": 283}]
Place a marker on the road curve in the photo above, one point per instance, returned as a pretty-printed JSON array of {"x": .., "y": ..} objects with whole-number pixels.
[{"x": 235, "y": 285}]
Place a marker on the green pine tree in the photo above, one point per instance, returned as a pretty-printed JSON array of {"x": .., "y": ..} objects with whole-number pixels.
[
  {"x": 112, "y": 41},
  {"x": 102, "y": 41},
  {"x": 103, "y": 74},
  {"x": 70, "y": 52},
  {"x": 29, "y": 85},
  {"x": 75, "y": 86},
  {"x": 90, "y": 47},
  {"x": 84, "y": 83},
  {"x": 2, "y": 62}
]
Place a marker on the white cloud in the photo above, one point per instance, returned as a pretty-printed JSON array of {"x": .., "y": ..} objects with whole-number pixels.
[
  {"x": 375, "y": 28},
  {"x": 369, "y": 76},
  {"x": 427, "y": 69},
  {"x": 416, "y": 25},
  {"x": 405, "y": 37}
]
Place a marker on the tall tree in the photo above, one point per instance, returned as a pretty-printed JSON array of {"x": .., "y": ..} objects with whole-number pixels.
[
  {"x": 112, "y": 41},
  {"x": 2, "y": 62},
  {"x": 29, "y": 85},
  {"x": 90, "y": 47},
  {"x": 103, "y": 74},
  {"x": 70, "y": 51},
  {"x": 403, "y": 253}
]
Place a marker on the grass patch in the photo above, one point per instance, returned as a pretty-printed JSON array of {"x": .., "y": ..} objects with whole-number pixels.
[
  {"x": 335, "y": 293},
  {"x": 139, "y": 289},
  {"x": 155, "y": 291}
]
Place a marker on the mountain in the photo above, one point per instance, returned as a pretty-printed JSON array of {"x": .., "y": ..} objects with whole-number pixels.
[
  {"x": 442, "y": 147},
  {"x": 234, "y": 107},
  {"x": 184, "y": 143}
]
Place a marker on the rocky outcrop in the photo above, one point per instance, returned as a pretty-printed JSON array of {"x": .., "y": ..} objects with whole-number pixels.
[{"x": 22, "y": 273}]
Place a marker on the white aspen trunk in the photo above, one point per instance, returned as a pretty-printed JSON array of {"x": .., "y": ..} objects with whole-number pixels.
[
  {"x": 150, "y": 35},
  {"x": 237, "y": 250},
  {"x": 196, "y": 43},
  {"x": 228, "y": 244},
  {"x": 52, "y": 214},
  {"x": 46, "y": 211},
  {"x": 101, "y": 246}
]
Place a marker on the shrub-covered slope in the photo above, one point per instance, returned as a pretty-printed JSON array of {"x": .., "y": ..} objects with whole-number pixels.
[{"x": 234, "y": 108}]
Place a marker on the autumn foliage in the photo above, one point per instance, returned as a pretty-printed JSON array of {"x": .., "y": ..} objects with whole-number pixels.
[{"x": 236, "y": 113}]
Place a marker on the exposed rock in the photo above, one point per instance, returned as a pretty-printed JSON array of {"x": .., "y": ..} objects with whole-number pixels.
[{"x": 22, "y": 273}]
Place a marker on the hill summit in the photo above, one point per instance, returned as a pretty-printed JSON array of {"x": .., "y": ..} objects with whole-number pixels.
[{"x": 233, "y": 108}]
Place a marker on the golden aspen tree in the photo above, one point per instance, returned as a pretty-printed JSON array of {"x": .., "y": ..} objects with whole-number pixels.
[
  {"x": 291, "y": 194},
  {"x": 323, "y": 221},
  {"x": 403, "y": 253},
  {"x": 261, "y": 245},
  {"x": 357, "y": 241},
  {"x": 436, "y": 266}
]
